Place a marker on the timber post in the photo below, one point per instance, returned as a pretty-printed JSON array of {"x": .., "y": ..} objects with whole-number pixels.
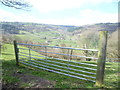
[
  {"x": 16, "y": 52},
  {"x": 101, "y": 58}
]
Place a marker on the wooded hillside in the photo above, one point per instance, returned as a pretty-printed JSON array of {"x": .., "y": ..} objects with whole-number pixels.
[{"x": 61, "y": 35}]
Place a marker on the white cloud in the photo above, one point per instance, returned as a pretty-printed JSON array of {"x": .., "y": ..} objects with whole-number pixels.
[
  {"x": 87, "y": 16},
  {"x": 100, "y": 1},
  {"x": 4, "y": 15},
  {"x": 93, "y": 16},
  {"x": 46, "y": 6},
  {"x": 14, "y": 17}
]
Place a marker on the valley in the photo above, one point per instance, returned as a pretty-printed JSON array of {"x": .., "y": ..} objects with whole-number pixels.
[{"x": 60, "y": 35}]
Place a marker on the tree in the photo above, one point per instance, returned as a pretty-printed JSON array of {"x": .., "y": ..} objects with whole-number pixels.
[
  {"x": 11, "y": 29},
  {"x": 18, "y": 4}
]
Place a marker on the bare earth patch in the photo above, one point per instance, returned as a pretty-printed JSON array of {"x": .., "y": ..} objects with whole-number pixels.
[{"x": 30, "y": 81}]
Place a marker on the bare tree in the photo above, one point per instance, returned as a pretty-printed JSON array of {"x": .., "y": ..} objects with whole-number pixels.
[{"x": 18, "y": 4}]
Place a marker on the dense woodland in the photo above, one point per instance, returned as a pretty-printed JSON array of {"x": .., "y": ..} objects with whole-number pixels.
[{"x": 61, "y": 35}]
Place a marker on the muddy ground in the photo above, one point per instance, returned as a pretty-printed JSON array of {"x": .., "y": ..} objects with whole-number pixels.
[{"x": 30, "y": 80}]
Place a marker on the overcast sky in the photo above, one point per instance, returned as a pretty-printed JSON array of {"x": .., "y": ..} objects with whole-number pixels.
[{"x": 64, "y": 12}]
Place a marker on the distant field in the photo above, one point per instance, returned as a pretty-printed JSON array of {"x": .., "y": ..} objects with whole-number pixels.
[
  {"x": 11, "y": 74},
  {"x": 52, "y": 38}
]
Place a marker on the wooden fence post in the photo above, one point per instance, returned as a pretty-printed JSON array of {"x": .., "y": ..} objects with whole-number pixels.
[
  {"x": 16, "y": 52},
  {"x": 101, "y": 58}
]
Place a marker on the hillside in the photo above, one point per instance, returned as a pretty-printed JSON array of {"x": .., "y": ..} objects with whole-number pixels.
[
  {"x": 34, "y": 27},
  {"x": 60, "y": 35},
  {"x": 15, "y": 27},
  {"x": 40, "y": 33},
  {"x": 111, "y": 27}
]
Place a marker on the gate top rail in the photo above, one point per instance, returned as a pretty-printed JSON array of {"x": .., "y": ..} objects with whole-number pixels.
[{"x": 59, "y": 47}]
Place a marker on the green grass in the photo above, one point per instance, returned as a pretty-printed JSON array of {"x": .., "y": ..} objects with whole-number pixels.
[
  {"x": 49, "y": 35},
  {"x": 61, "y": 81},
  {"x": 8, "y": 65},
  {"x": 8, "y": 74}
]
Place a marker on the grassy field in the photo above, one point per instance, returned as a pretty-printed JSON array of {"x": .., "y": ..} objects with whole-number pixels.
[
  {"x": 49, "y": 37},
  {"x": 13, "y": 75}
]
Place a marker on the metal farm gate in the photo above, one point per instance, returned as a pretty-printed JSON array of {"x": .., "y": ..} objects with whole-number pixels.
[{"x": 41, "y": 57}]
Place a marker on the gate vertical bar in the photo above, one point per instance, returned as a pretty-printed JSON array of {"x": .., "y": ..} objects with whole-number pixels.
[
  {"x": 29, "y": 53},
  {"x": 46, "y": 51},
  {"x": 68, "y": 58},
  {"x": 101, "y": 58},
  {"x": 16, "y": 52},
  {"x": 71, "y": 54}
]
